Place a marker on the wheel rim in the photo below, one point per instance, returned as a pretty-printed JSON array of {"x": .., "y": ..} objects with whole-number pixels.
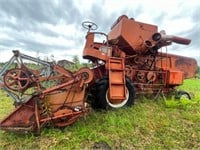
[
  {"x": 185, "y": 96},
  {"x": 120, "y": 104},
  {"x": 16, "y": 79}
]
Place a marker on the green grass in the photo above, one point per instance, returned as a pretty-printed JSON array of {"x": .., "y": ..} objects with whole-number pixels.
[{"x": 150, "y": 124}]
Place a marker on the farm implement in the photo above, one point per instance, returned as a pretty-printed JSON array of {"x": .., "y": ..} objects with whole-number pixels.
[{"x": 129, "y": 61}]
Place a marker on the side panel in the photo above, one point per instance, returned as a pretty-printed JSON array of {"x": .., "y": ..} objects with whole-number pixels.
[
  {"x": 179, "y": 63},
  {"x": 175, "y": 77}
]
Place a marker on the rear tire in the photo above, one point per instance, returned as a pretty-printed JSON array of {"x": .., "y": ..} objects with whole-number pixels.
[
  {"x": 181, "y": 94},
  {"x": 101, "y": 99}
]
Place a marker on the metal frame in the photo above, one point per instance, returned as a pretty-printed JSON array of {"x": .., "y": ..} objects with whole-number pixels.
[{"x": 19, "y": 58}]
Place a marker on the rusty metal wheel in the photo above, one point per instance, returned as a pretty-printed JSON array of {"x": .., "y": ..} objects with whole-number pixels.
[
  {"x": 65, "y": 117},
  {"x": 128, "y": 71},
  {"x": 141, "y": 76},
  {"x": 86, "y": 74},
  {"x": 16, "y": 79},
  {"x": 66, "y": 120},
  {"x": 151, "y": 76}
]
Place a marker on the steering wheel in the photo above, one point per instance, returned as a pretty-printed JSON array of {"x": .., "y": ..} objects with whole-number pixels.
[{"x": 89, "y": 25}]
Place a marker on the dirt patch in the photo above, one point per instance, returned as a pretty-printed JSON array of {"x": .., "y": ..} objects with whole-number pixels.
[{"x": 101, "y": 145}]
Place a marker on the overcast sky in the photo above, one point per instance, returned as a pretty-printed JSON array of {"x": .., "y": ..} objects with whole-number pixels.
[{"x": 53, "y": 27}]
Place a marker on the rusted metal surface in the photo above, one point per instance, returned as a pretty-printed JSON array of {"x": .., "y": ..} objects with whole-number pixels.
[
  {"x": 128, "y": 62},
  {"x": 23, "y": 118},
  {"x": 57, "y": 98},
  {"x": 139, "y": 44}
]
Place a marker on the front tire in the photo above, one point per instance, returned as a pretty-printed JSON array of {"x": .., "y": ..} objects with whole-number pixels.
[{"x": 101, "y": 99}]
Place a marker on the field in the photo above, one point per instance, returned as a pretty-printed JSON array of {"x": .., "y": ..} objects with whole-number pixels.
[{"x": 149, "y": 124}]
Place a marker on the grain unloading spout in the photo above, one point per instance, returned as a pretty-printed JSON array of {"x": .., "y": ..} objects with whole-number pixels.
[{"x": 162, "y": 36}]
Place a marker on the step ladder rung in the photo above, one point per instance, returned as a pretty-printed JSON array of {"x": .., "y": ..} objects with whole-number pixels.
[
  {"x": 116, "y": 69},
  {"x": 117, "y": 83}
]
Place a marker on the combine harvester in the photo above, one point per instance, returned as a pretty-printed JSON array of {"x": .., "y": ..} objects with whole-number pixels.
[{"x": 128, "y": 62}]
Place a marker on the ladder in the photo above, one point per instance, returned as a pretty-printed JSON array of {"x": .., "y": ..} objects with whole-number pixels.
[{"x": 117, "y": 82}]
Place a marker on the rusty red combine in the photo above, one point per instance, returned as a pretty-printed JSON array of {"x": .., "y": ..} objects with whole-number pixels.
[{"x": 129, "y": 61}]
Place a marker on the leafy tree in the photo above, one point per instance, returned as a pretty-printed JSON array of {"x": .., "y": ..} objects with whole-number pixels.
[
  {"x": 76, "y": 59},
  {"x": 77, "y": 64}
]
